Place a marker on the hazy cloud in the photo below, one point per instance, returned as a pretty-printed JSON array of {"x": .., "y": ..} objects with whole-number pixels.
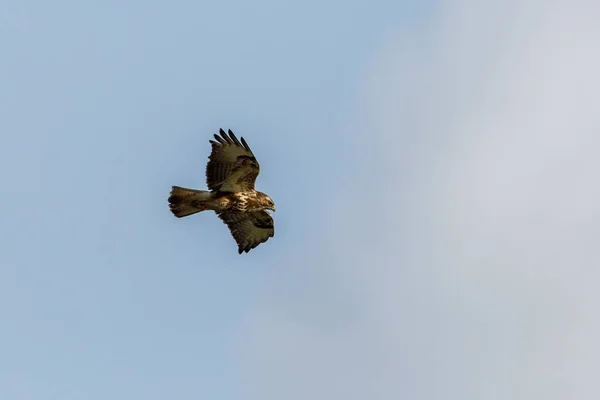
[{"x": 465, "y": 265}]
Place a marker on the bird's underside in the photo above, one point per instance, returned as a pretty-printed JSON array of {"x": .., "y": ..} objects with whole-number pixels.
[{"x": 230, "y": 176}]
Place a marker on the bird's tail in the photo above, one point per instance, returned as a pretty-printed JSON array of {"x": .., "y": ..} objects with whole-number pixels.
[{"x": 184, "y": 202}]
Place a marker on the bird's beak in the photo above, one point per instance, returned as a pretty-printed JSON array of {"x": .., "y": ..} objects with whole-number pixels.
[{"x": 273, "y": 208}]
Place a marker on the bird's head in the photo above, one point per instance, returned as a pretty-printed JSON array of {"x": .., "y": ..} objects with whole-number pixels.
[
  {"x": 267, "y": 202},
  {"x": 270, "y": 204}
]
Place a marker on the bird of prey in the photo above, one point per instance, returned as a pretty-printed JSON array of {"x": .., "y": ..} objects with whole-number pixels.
[{"x": 230, "y": 175}]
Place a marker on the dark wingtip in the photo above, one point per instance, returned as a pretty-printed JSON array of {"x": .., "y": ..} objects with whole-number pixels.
[
  {"x": 219, "y": 139},
  {"x": 245, "y": 145},
  {"x": 229, "y": 138},
  {"x": 224, "y": 135},
  {"x": 244, "y": 249},
  {"x": 234, "y": 138}
]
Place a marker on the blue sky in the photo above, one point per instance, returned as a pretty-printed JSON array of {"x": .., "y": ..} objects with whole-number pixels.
[{"x": 432, "y": 165}]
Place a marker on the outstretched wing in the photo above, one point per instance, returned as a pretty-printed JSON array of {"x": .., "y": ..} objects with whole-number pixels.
[
  {"x": 231, "y": 165},
  {"x": 249, "y": 229}
]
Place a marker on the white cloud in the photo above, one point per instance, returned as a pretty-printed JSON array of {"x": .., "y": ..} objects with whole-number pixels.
[{"x": 476, "y": 279}]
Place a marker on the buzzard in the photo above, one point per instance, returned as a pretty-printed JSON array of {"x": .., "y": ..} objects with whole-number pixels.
[{"x": 230, "y": 175}]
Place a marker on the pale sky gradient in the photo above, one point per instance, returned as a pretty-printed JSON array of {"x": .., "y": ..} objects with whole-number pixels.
[{"x": 434, "y": 165}]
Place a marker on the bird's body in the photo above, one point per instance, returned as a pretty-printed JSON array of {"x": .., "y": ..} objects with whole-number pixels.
[
  {"x": 230, "y": 175},
  {"x": 189, "y": 201}
]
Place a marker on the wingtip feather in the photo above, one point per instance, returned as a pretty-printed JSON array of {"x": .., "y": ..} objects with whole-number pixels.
[
  {"x": 245, "y": 144},
  {"x": 219, "y": 139},
  {"x": 230, "y": 138},
  {"x": 225, "y": 136},
  {"x": 234, "y": 138}
]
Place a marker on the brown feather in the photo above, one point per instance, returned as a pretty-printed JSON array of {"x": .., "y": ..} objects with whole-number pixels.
[
  {"x": 184, "y": 202},
  {"x": 249, "y": 229},
  {"x": 232, "y": 167}
]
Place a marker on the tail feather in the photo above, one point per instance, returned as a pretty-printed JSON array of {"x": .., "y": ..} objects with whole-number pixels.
[{"x": 184, "y": 202}]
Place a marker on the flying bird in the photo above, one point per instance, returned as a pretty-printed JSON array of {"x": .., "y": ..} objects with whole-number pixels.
[{"x": 231, "y": 172}]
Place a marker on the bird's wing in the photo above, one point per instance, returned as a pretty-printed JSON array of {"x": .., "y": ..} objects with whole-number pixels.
[
  {"x": 249, "y": 229},
  {"x": 231, "y": 165}
]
